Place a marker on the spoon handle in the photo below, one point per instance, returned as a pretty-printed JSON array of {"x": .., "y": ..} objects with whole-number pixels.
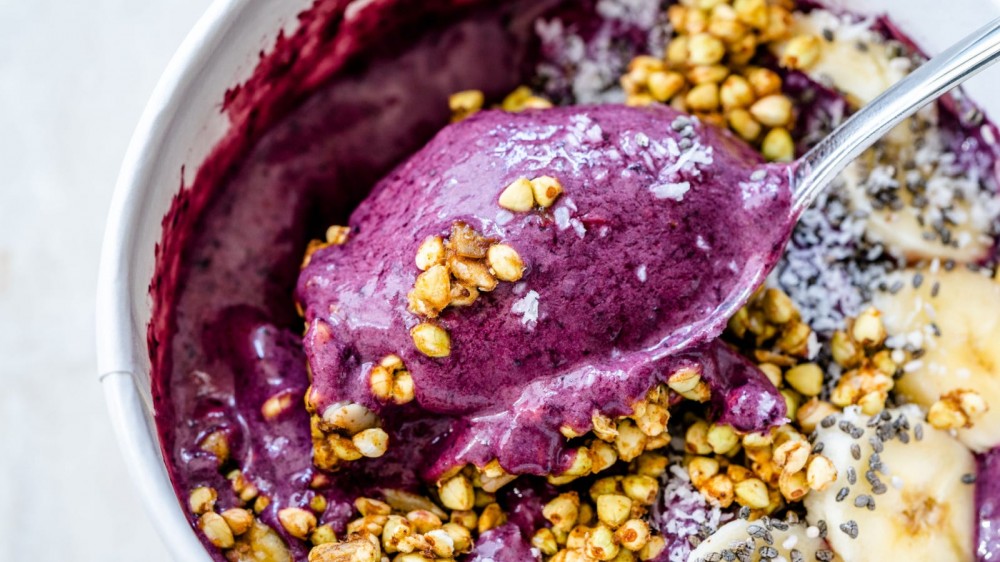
[{"x": 829, "y": 157}]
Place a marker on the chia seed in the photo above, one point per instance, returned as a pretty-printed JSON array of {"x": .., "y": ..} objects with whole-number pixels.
[
  {"x": 850, "y": 528},
  {"x": 852, "y": 476},
  {"x": 828, "y": 421},
  {"x": 768, "y": 553},
  {"x": 918, "y": 432},
  {"x": 824, "y": 555},
  {"x": 968, "y": 479},
  {"x": 842, "y": 494},
  {"x": 744, "y": 513},
  {"x": 856, "y": 451},
  {"x": 818, "y": 448}
]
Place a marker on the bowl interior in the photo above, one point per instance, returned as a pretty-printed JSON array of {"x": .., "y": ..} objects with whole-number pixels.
[{"x": 182, "y": 123}]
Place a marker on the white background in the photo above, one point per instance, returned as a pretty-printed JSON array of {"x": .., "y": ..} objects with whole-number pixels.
[{"x": 74, "y": 76}]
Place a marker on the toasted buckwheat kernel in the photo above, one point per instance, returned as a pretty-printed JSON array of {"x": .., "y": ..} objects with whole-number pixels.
[
  {"x": 868, "y": 329},
  {"x": 277, "y": 405},
  {"x": 216, "y": 530},
  {"x": 563, "y": 511},
  {"x": 720, "y": 489},
  {"x": 601, "y": 486},
  {"x": 216, "y": 443},
  {"x": 297, "y": 521},
  {"x": 238, "y": 519},
  {"x": 665, "y": 84},
  {"x": 465, "y": 103},
  {"x": 793, "y": 485},
  {"x": 651, "y": 464},
  {"x": 604, "y": 427},
  {"x": 820, "y": 473},
  {"x": 323, "y": 534},
  {"x": 602, "y": 455},
  {"x": 773, "y": 111},
  {"x": 371, "y": 443},
  {"x": 633, "y": 534},
  {"x": 601, "y": 543},
  {"x": 431, "y": 340},
  {"x": 696, "y": 438},
  {"x": 763, "y": 81},
  {"x": 722, "y": 438},
  {"x": 700, "y": 469},
  {"x": 442, "y": 544},
  {"x": 752, "y": 12},
  {"x": 473, "y": 272},
  {"x": 778, "y": 145},
  {"x": 631, "y": 441},
  {"x": 461, "y": 537},
  {"x": 457, "y": 493},
  {"x": 642, "y": 489},
  {"x": 349, "y": 416},
  {"x": 505, "y": 263},
  {"x": 369, "y": 506},
  {"x": 424, "y": 520},
  {"x": 202, "y": 500},
  {"x": 491, "y": 517},
  {"x": 801, "y": 52},
  {"x": 546, "y": 189},
  {"x": 545, "y": 541},
  {"x": 356, "y": 550},
  {"x": 736, "y": 92},
  {"x": 337, "y": 235},
  {"x": 752, "y": 493},
  {"x": 430, "y": 253},
  {"x": 395, "y": 530},
  {"x": 806, "y": 378},
  {"x": 518, "y": 196},
  {"x": 704, "y": 48},
  {"x": 613, "y": 509},
  {"x": 707, "y": 74}
]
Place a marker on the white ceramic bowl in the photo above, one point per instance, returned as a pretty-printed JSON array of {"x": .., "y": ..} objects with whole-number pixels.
[{"x": 180, "y": 125}]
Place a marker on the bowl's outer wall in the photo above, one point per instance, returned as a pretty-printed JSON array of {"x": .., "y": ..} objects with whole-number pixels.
[{"x": 181, "y": 124}]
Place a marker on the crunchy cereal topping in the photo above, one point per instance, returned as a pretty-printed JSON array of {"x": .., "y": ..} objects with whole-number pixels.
[
  {"x": 465, "y": 103},
  {"x": 957, "y": 409},
  {"x": 518, "y": 197},
  {"x": 431, "y": 340}
]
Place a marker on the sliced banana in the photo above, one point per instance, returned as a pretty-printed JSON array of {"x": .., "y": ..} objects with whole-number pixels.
[
  {"x": 858, "y": 62},
  {"x": 792, "y": 543},
  {"x": 964, "y": 308},
  {"x": 861, "y": 72},
  {"x": 900, "y": 228},
  {"x": 923, "y": 509}
]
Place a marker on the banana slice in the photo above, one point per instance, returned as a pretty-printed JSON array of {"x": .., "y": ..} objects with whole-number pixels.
[
  {"x": 792, "y": 543},
  {"x": 907, "y": 227},
  {"x": 861, "y": 72},
  {"x": 909, "y": 499},
  {"x": 964, "y": 308}
]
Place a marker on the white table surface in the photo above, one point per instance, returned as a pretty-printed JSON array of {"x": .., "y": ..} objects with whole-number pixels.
[{"x": 74, "y": 76}]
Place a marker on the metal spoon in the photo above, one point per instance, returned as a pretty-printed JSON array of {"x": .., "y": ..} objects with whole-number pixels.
[{"x": 816, "y": 169}]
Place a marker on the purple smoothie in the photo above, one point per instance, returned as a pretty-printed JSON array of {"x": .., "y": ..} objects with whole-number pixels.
[
  {"x": 299, "y": 156},
  {"x": 679, "y": 233}
]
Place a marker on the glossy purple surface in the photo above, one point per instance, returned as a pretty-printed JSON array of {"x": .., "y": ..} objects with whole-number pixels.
[{"x": 634, "y": 271}]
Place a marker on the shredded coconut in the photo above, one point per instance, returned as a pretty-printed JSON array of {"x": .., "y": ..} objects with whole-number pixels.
[{"x": 527, "y": 308}]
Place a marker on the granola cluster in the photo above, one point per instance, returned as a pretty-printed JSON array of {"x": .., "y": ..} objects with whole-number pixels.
[{"x": 456, "y": 270}]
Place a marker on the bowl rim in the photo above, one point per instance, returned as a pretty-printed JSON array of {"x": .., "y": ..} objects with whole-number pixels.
[{"x": 116, "y": 345}]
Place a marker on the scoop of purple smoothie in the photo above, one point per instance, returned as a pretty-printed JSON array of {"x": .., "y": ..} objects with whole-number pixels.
[{"x": 663, "y": 228}]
